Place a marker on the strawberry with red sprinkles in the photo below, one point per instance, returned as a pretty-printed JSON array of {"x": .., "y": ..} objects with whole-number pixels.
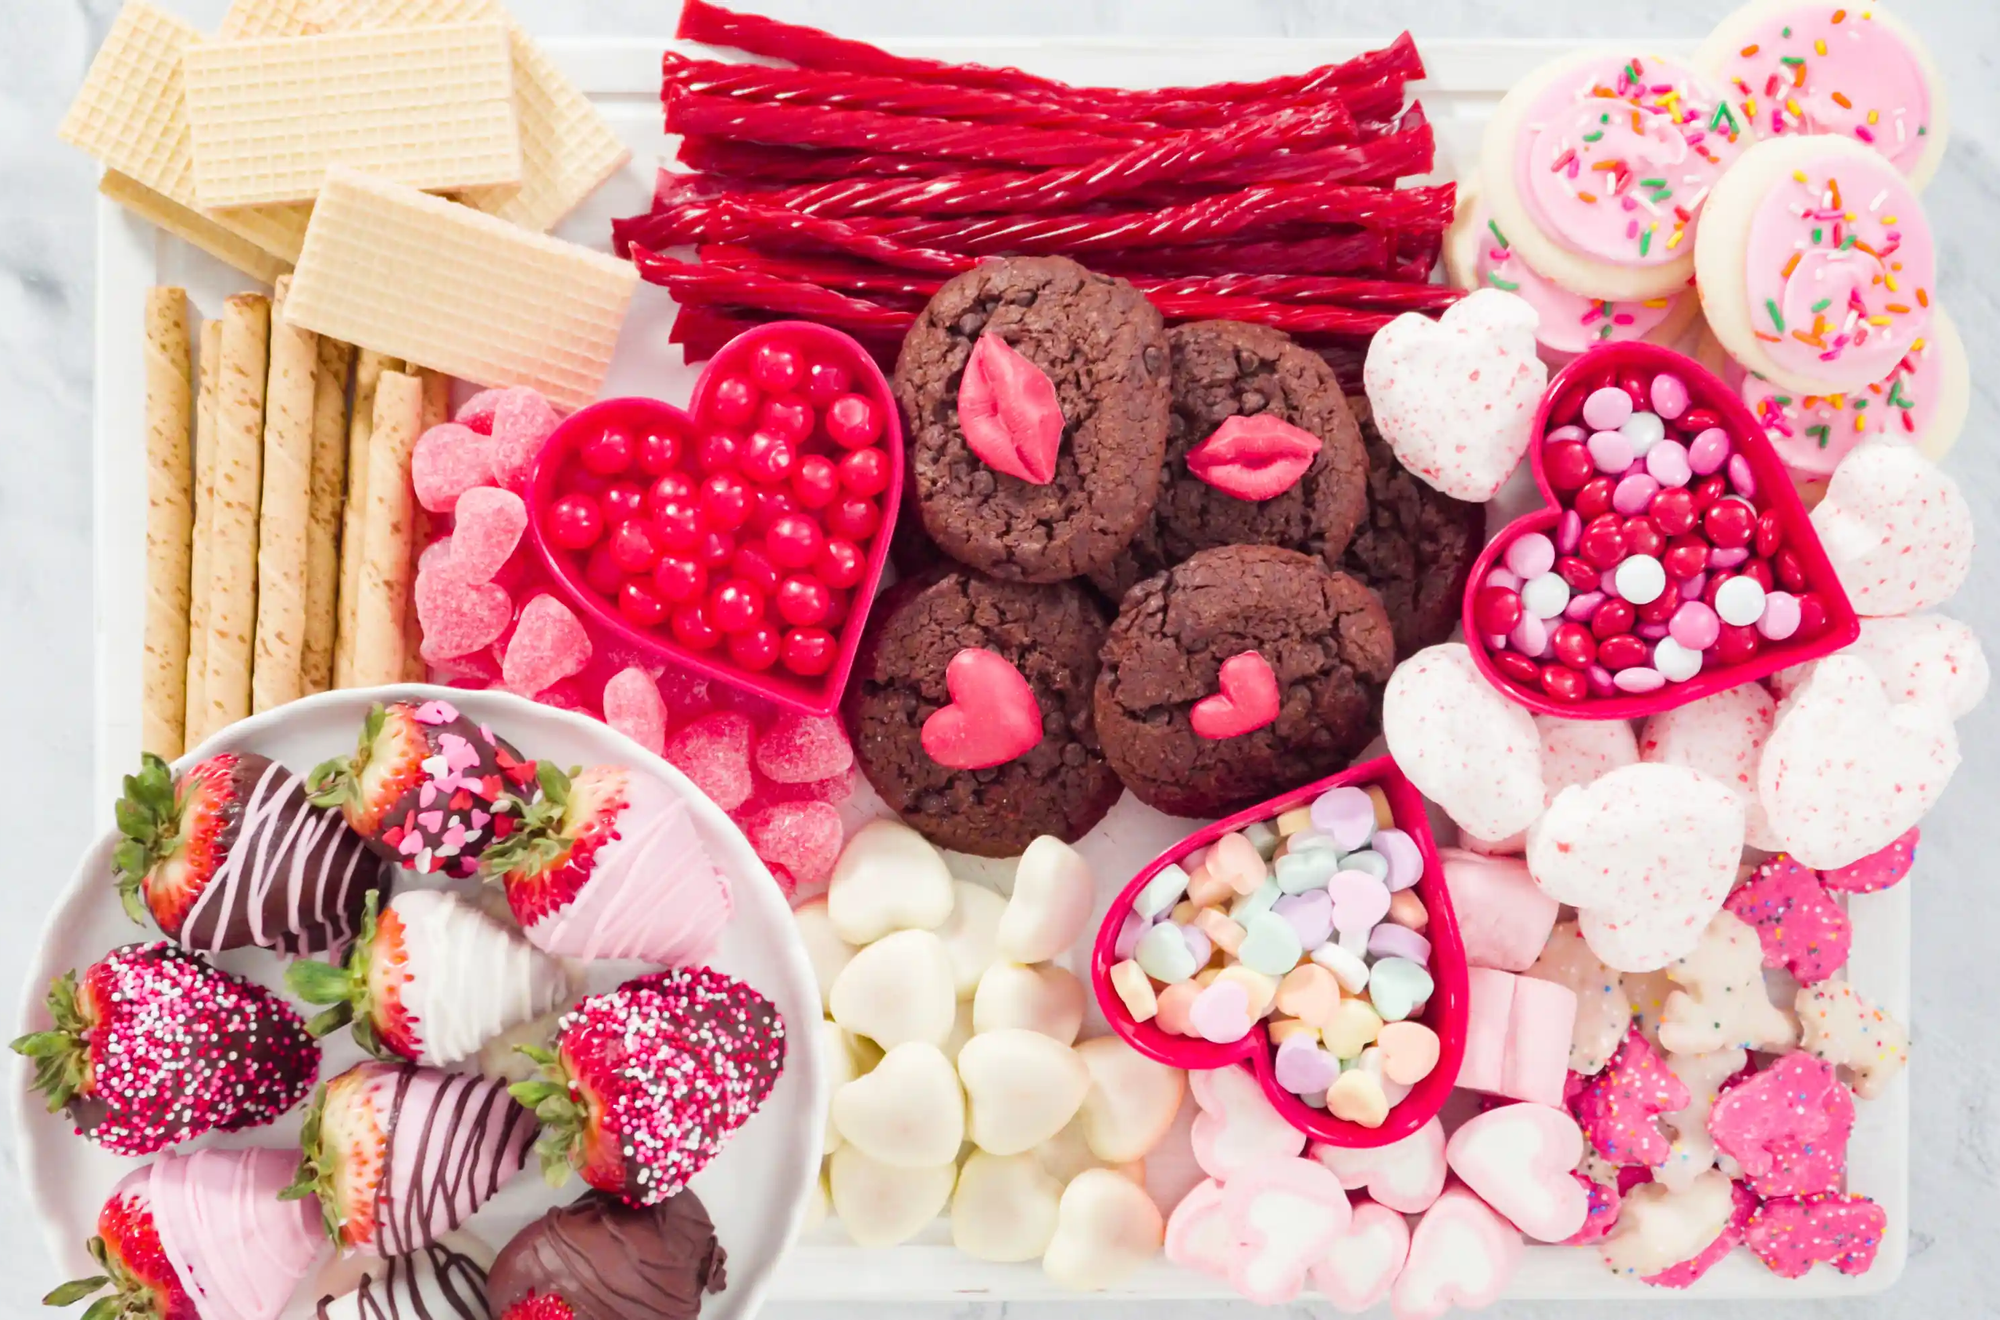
[{"x": 646, "y": 1082}]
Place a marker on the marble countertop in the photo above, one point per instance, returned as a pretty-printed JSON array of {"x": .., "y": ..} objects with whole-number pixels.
[{"x": 46, "y": 299}]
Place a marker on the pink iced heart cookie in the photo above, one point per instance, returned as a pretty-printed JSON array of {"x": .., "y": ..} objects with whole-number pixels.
[
  {"x": 548, "y": 645},
  {"x": 1879, "y": 870},
  {"x": 1793, "y": 1233},
  {"x": 1742, "y": 1204},
  {"x": 1464, "y": 745},
  {"x": 1237, "y": 1126},
  {"x": 1198, "y": 1236},
  {"x": 632, "y": 706},
  {"x": 1248, "y": 699},
  {"x": 1646, "y": 855},
  {"x": 485, "y": 529},
  {"x": 1619, "y": 1108},
  {"x": 449, "y": 459},
  {"x": 1787, "y": 1127},
  {"x": 1404, "y": 1175},
  {"x": 458, "y": 617},
  {"x": 1723, "y": 737},
  {"x": 1462, "y": 1253},
  {"x": 1896, "y": 528},
  {"x": 1254, "y": 458},
  {"x": 993, "y": 716},
  {"x": 1359, "y": 1270},
  {"x": 1009, "y": 413},
  {"x": 1455, "y": 397},
  {"x": 1518, "y": 1159},
  {"x": 1283, "y": 1216},
  {"x": 1801, "y": 929}
]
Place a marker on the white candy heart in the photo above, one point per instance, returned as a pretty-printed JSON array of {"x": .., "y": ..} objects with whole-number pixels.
[
  {"x": 1198, "y": 1233},
  {"x": 1361, "y": 1266},
  {"x": 1918, "y": 657},
  {"x": 1462, "y": 1253},
  {"x": 1106, "y": 1228},
  {"x": 909, "y": 1111},
  {"x": 961, "y": 1031},
  {"x": 881, "y": 1205},
  {"x": 1068, "y": 1153},
  {"x": 1518, "y": 1159},
  {"x": 1048, "y": 999},
  {"x": 1404, "y": 1175},
  {"x": 1237, "y": 1126},
  {"x": 888, "y": 878},
  {"x": 827, "y": 951},
  {"x": 819, "y": 1204},
  {"x": 1004, "y": 1208},
  {"x": 1456, "y": 397},
  {"x": 1846, "y": 770},
  {"x": 1723, "y": 737},
  {"x": 897, "y": 989},
  {"x": 1692, "y": 1152},
  {"x": 1285, "y": 1215},
  {"x": 1659, "y": 1226},
  {"x": 968, "y": 933},
  {"x": 1646, "y": 854},
  {"x": 1050, "y": 906},
  {"x": 1896, "y": 528},
  {"x": 1022, "y": 1087},
  {"x": 1466, "y": 747},
  {"x": 840, "y": 1070},
  {"x": 1131, "y": 1102}
]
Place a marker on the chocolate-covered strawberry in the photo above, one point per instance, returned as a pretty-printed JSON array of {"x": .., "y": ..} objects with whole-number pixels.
[
  {"x": 431, "y": 979},
  {"x": 135, "y": 1267},
  {"x": 600, "y": 1259},
  {"x": 647, "y": 1081},
  {"x": 230, "y": 853},
  {"x": 426, "y": 786},
  {"x": 152, "y": 1046},
  {"x": 439, "y": 1282}
]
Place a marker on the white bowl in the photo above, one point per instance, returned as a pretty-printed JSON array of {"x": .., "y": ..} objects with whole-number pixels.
[{"x": 755, "y": 1189}]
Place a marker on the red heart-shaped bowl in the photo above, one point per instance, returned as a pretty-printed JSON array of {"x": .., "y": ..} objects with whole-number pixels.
[
  {"x": 1445, "y": 1012},
  {"x": 815, "y": 695},
  {"x": 1633, "y": 366}
]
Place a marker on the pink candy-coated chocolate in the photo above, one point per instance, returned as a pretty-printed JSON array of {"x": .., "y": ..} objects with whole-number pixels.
[
  {"x": 993, "y": 716},
  {"x": 1009, "y": 413},
  {"x": 1248, "y": 699},
  {"x": 1253, "y": 458}
]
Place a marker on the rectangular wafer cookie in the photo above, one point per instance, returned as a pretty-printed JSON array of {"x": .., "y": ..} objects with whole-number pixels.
[
  {"x": 270, "y": 18},
  {"x": 191, "y": 226},
  {"x": 447, "y": 287},
  {"x": 432, "y": 107}
]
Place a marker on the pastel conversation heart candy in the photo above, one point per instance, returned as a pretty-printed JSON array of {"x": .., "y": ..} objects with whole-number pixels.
[
  {"x": 549, "y": 644},
  {"x": 1198, "y": 1233},
  {"x": 1303, "y": 1068},
  {"x": 1896, "y": 528},
  {"x": 993, "y": 716},
  {"x": 1787, "y": 1127},
  {"x": 1463, "y": 744},
  {"x": 1283, "y": 1217},
  {"x": 1659, "y": 1227},
  {"x": 1879, "y": 870},
  {"x": 1221, "y": 1012},
  {"x": 1009, "y": 413},
  {"x": 1838, "y": 1026},
  {"x": 1742, "y": 1203},
  {"x": 1361, "y": 1266},
  {"x": 1723, "y": 737},
  {"x": 1398, "y": 987},
  {"x": 1518, "y": 1159},
  {"x": 1237, "y": 1127},
  {"x": 1462, "y": 1253},
  {"x": 1802, "y": 930},
  {"x": 1723, "y": 1001},
  {"x": 1248, "y": 699},
  {"x": 1692, "y": 1151},
  {"x": 1106, "y": 1227},
  {"x": 1259, "y": 457},
  {"x": 1619, "y": 1108},
  {"x": 1404, "y": 1175},
  {"x": 1791, "y": 1234}
]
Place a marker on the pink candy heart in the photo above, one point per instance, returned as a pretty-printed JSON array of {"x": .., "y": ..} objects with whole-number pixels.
[
  {"x": 486, "y": 527},
  {"x": 1360, "y": 901},
  {"x": 1248, "y": 699},
  {"x": 449, "y": 460},
  {"x": 549, "y": 645},
  {"x": 993, "y": 716},
  {"x": 458, "y": 617},
  {"x": 632, "y": 706},
  {"x": 1221, "y": 1012},
  {"x": 1304, "y": 1068}
]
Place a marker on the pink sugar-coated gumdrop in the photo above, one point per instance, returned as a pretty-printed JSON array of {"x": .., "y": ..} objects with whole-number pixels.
[
  {"x": 1129, "y": 931},
  {"x": 477, "y": 670},
  {"x": 1009, "y": 413},
  {"x": 522, "y": 423},
  {"x": 449, "y": 460},
  {"x": 458, "y": 617},
  {"x": 993, "y": 716},
  {"x": 632, "y": 706},
  {"x": 485, "y": 530},
  {"x": 714, "y": 752},
  {"x": 572, "y": 694},
  {"x": 803, "y": 838},
  {"x": 549, "y": 644},
  {"x": 436, "y": 555},
  {"x": 798, "y": 749},
  {"x": 477, "y": 412},
  {"x": 1248, "y": 699},
  {"x": 1254, "y": 458},
  {"x": 1708, "y": 451},
  {"x": 1878, "y": 870}
]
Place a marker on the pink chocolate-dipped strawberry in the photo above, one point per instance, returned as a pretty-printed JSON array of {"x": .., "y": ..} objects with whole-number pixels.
[
  {"x": 1787, "y": 1127},
  {"x": 426, "y": 786},
  {"x": 397, "y": 1154},
  {"x": 606, "y": 863},
  {"x": 431, "y": 979},
  {"x": 134, "y": 1265}
]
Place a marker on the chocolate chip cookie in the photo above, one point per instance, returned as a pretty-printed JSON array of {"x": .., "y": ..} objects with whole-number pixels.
[
  {"x": 1104, "y": 347},
  {"x": 1325, "y": 636},
  {"x": 1224, "y": 369},
  {"x": 1051, "y": 634}
]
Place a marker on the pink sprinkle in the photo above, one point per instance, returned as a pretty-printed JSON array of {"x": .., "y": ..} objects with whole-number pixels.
[
  {"x": 427, "y": 793},
  {"x": 412, "y": 844},
  {"x": 480, "y": 819},
  {"x": 431, "y": 820},
  {"x": 458, "y": 753},
  {"x": 436, "y": 712}
]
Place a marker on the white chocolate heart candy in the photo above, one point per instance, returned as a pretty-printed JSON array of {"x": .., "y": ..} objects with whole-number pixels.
[
  {"x": 889, "y": 877},
  {"x": 1462, "y": 1253},
  {"x": 968, "y": 933},
  {"x": 1050, "y": 906},
  {"x": 1360, "y": 1268},
  {"x": 881, "y": 1205},
  {"x": 1404, "y": 1175},
  {"x": 1722, "y": 1002},
  {"x": 1068, "y": 1153},
  {"x": 1897, "y": 529},
  {"x": 840, "y": 1070},
  {"x": 909, "y": 1111},
  {"x": 1131, "y": 1102},
  {"x": 819, "y": 1203},
  {"x": 828, "y": 953},
  {"x": 1004, "y": 1208},
  {"x": 1048, "y": 999},
  {"x": 1022, "y": 1086},
  {"x": 1518, "y": 1159},
  {"x": 1237, "y": 1126},
  {"x": 897, "y": 989},
  {"x": 1106, "y": 1228},
  {"x": 961, "y": 1031},
  {"x": 1692, "y": 1152},
  {"x": 1284, "y": 1215},
  {"x": 1658, "y": 1226},
  {"x": 1918, "y": 657},
  {"x": 1463, "y": 744}
]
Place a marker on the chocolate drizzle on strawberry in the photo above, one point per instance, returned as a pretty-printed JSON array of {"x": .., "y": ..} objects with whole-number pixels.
[
  {"x": 610, "y": 1261},
  {"x": 414, "y": 1287},
  {"x": 475, "y": 1136}
]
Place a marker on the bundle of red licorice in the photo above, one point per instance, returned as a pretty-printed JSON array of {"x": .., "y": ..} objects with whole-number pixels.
[{"x": 846, "y": 188}]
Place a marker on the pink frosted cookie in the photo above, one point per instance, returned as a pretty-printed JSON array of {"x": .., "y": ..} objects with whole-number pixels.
[
  {"x": 1660, "y": 1228},
  {"x": 1792, "y": 1233},
  {"x": 1787, "y": 1127},
  {"x": 1619, "y": 1109},
  {"x": 1601, "y": 1216},
  {"x": 1358, "y": 1271},
  {"x": 1742, "y": 1204},
  {"x": 1801, "y": 929},
  {"x": 1462, "y": 1253},
  {"x": 1598, "y": 168},
  {"x": 1879, "y": 870},
  {"x": 1404, "y": 1175}
]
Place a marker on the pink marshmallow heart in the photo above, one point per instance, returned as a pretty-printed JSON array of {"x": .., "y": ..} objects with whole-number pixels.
[
  {"x": 1198, "y": 1236},
  {"x": 1360, "y": 1268},
  {"x": 1303, "y": 1068},
  {"x": 1879, "y": 870},
  {"x": 1742, "y": 1205},
  {"x": 1237, "y": 1126},
  {"x": 458, "y": 617},
  {"x": 549, "y": 644},
  {"x": 1462, "y": 1253},
  {"x": 1619, "y": 1108},
  {"x": 1896, "y": 528},
  {"x": 449, "y": 459},
  {"x": 1791, "y": 1234},
  {"x": 523, "y": 421},
  {"x": 1801, "y": 929},
  {"x": 1518, "y": 1159},
  {"x": 1404, "y": 1175},
  {"x": 485, "y": 530},
  {"x": 632, "y": 706},
  {"x": 1787, "y": 1127},
  {"x": 1284, "y": 1216},
  {"x": 1721, "y": 736},
  {"x": 1465, "y": 745}
]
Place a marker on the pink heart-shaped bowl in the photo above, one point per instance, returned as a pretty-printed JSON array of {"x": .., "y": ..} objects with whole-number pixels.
[
  {"x": 1445, "y": 1012},
  {"x": 815, "y": 694},
  {"x": 1577, "y": 685}
]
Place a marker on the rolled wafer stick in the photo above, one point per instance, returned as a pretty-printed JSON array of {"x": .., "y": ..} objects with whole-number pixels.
[
  {"x": 386, "y": 531},
  {"x": 169, "y": 521},
  {"x": 368, "y": 369},
  {"x": 285, "y": 512},
  {"x": 204, "y": 523},
  {"x": 329, "y": 476},
  {"x": 232, "y": 550},
  {"x": 437, "y": 409}
]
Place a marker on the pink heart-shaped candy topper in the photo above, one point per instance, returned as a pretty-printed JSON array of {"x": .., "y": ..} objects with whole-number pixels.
[
  {"x": 993, "y": 716},
  {"x": 1009, "y": 413},
  {"x": 1248, "y": 699},
  {"x": 1254, "y": 458}
]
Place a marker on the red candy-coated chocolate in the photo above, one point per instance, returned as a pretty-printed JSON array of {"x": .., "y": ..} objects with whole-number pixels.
[
  {"x": 766, "y": 457},
  {"x": 1568, "y": 465},
  {"x": 725, "y": 501},
  {"x": 607, "y": 453},
  {"x": 717, "y": 451},
  {"x": 825, "y": 382},
  {"x": 1643, "y": 537},
  {"x": 841, "y": 564},
  {"x": 1574, "y": 645},
  {"x": 1672, "y": 510},
  {"x": 1254, "y": 458},
  {"x": 865, "y": 471},
  {"x": 754, "y": 647},
  {"x": 1812, "y": 614},
  {"x": 807, "y": 651},
  {"x": 1497, "y": 609},
  {"x": 852, "y": 421},
  {"x": 1729, "y": 524},
  {"x": 1685, "y": 556},
  {"x": 633, "y": 547},
  {"x": 1623, "y": 651},
  {"x": 1660, "y": 608},
  {"x": 855, "y": 519},
  {"x": 1563, "y": 683},
  {"x": 1707, "y": 491},
  {"x": 622, "y": 502},
  {"x": 802, "y": 600},
  {"x": 1770, "y": 533},
  {"x": 1517, "y": 666},
  {"x": 1612, "y": 617},
  {"x": 679, "y": 579},
  {"x": 575, "y": 522},
  {"x": 788, "y": 416},
  {"x": 1737, "y": 643},
  {"x": 777, "y": 366},
  {"x": 1594, "y": 499},
  {"x": 640, "y": 604},
  {"x": 734, "y": 401},
  {"x": 1791, "y": 575},
  {"x": 659, "y": 452},
  {"x": 1603, "y": 541},
  {"x": 1696, "y": 420},
  {"x": 736, "y": 605},
  {"x": 816, "y": 481},
  {"x": 1634, "y": 384},
  {"x": 794, "y": 541},
  {"x": 1580, "y": 574}
]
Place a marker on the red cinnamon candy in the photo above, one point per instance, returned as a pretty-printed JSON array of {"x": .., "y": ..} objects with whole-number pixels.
[
  {"x": 1254, "y": 458},
  {"x": 1009, "y": 413}
]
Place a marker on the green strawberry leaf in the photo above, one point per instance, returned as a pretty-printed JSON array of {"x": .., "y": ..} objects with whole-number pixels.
[{"x": 75, "y": 1291}]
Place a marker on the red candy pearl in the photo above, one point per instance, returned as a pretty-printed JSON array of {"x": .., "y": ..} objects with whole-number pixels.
[
  {"x": 768, "y": 506},
  {"x": 574, "y": 522},
  {"x": 692, "y": 628},
  {"x": 853, "y": 421},
  {"x": 1574, "y": 645},
  {"x": 777, "y": 365},
  {"x": 718, "y": 451},
  {"x": 678, "y": 578},
  {"x": 735, "y": 605},
  {"x": 1594, "y": 500},
  {"x": 672, "y": 488},
  {"x": 754, "y": 647},
  {"x": 607, "y": 453},
  {"x": 1729, "y": 524},
  {"x": 725, "y": 501},
  {"x": 1563, "y": 683},
  {"x": 1496, "y": 610},
  {"x": 802, "y": 600},
  {"x": 865, "y": 471},
  {"x": 633, "y": 547},
  {"x": 808, "y": 651},
  {"x": 753, "y": 565},
  {"x": 794, "y": 541},
  {"x": 1517, "y": 667},
  {"x": 825, "y": 382},
  {"x": 816, "y": 481},
  {"x": 1581, "y": 574},
  {"x": 659, "y": 452},
  {"x": 679, "y": 525},
  {"x": 790, "y": 417},
  {"x": 841, "y": 564},
  {"x": 1603, "y": 541},
  {"x": 1737, "y": 643},
  {"x": 766, "y": 457},
  {"x": 734, "y": 401},
  {"x": 716, "y": 548},
  {"x": 1643, "y": 537},
  {"x": 1621, "y": 652},
  {"x": 622, "y": 502},
  {"x": 1614, "y": 616},
  {"x": 640, "y": 605},
  {"x": 854, "y": 519},
  {"x": 1672, "y": 511},
  {"x": 1566, "y": 464},
  {"x": 601, "y": 571}
]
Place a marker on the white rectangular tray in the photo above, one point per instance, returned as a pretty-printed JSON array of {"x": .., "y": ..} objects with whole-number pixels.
[{"x": 1466, "y": 79}]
